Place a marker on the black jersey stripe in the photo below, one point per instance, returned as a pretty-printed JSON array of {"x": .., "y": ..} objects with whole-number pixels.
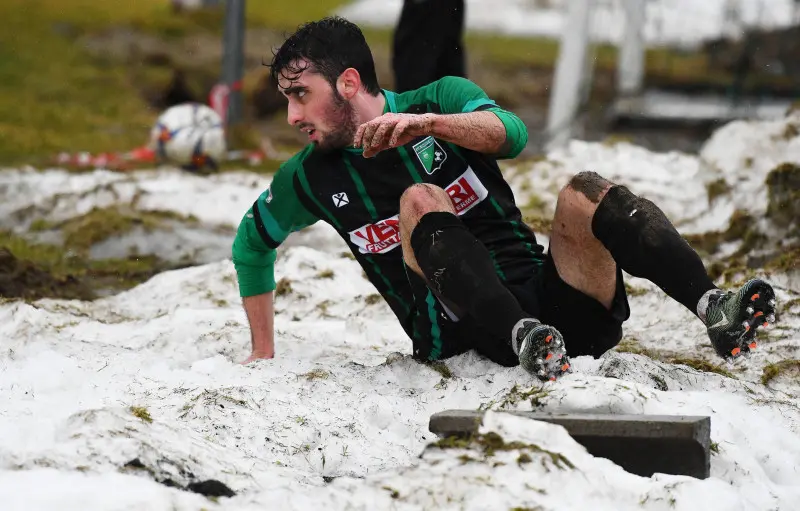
[
  {"x": 515, "y": 228},
  {"x": 262, "y": 230},
  {"x": 412, "y": 169},
  {"x": 389, "y": 287},
  {"x": 362, "y": 191},
  {"x": 301, "y": 176}
]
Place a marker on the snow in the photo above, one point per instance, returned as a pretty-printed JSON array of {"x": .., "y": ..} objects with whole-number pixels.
[
  {"x": 338, "y": 420},
  {"x": 668, "y": 22}
]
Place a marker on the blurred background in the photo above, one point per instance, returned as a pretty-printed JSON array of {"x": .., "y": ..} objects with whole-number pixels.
[
  {"x": 93, "y": 75},
  {"x": 84, "y": 82}
]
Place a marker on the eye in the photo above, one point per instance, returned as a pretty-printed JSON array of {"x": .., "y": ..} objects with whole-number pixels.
[{"x": 301, "y": 93}]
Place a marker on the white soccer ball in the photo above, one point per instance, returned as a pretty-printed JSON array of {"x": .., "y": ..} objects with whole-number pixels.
[{"x": 190, "y": 135}]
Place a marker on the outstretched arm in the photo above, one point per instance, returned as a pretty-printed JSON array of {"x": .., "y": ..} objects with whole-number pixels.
[
  {"x": 261, "y": 316},
  {"x": 479, "y": 131}
]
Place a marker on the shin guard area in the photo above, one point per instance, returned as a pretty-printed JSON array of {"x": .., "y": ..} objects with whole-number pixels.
[
  {"x": 644, "y": 243},
  {"x": 459, "y": 268}
]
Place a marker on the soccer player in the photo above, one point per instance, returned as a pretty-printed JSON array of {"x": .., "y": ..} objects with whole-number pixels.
[
  {"x": 411, "y": 182},
  {"x": 428, "y": 43}
]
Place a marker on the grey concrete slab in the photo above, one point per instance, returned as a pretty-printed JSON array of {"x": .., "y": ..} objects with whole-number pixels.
[{"x": 641, "y": 444}]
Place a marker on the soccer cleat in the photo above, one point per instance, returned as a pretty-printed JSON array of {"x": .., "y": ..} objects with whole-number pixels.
[
  {"x": 541, "y": 350},
  {"x": 733, "y": 319}
]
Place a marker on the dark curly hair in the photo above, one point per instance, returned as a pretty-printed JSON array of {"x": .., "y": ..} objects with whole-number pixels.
[{"x": 329, "y": 46}]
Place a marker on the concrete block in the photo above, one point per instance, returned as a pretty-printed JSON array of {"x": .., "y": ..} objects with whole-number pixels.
[{"x": 640, "y": 444}]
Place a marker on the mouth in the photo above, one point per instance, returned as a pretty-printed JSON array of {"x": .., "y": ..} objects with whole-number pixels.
[{"x": 309, "y": 131}]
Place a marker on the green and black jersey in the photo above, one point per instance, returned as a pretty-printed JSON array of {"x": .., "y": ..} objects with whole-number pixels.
[{"x": 360, "y": 197}]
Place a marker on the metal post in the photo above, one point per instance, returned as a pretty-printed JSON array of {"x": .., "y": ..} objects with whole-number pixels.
[
  {"x": 569, "y": 76},
  {"x": 233, "y": 58},
  {"x": 630, "y": 66}
]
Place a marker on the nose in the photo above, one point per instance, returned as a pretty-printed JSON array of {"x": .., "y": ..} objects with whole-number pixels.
[{"x": 294, "y": 113}]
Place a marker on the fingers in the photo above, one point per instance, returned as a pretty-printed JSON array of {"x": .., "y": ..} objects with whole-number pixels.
[
  {"x": 365, "y": 132},
  {"x": 399, "y": 129},
  {"x": 379, "y": 137},
  {"x": 376, "y": 135}
]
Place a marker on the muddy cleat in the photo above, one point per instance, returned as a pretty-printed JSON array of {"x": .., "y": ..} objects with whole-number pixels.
[
  {"x": 733, "y": 319},
  {"x": 540, "y": 349}
]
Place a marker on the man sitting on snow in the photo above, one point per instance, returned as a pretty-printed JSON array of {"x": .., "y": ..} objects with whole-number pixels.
[{"x": 410, "y": 181}]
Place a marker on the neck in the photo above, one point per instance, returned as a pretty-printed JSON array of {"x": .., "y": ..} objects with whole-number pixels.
[{"x": 368, "y": 107}]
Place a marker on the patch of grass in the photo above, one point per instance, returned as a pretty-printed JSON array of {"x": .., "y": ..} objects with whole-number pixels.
[
  {"x": 283, "y": 287},
  {"x": 142, "y": 413},
  {"x": 772, "y": 371},
  {"x": 538, "y": 223},
  {"x": 717, "y": 188},
  {"x": 392, "y": 492},
  {"x": 631, "y": 345},
  {"x": 791, "y": 131},
  {"x": 490, "y": 443},
  {"x": 789, "y": 260},
  {"x": 56, "y": 97},
  {"x": 44, "y": 270},
  {"x": 634, "y": 291},
  {"x": 702, "y": 365},
  {"x": 515, "y": 395},
  {"x": 325, "y": 274},
  {"x": 441, "y": 368},
  {"x": 741, "y": 226},
  {"x": 714, "y": 447},
  {"x": 373, "y": 299},
  {"x": 315, "y": 374},
  {"x": 99, "y": 224}
]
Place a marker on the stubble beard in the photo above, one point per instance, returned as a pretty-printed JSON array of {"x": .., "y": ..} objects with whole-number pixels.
[{"x": 342, "y": 116}]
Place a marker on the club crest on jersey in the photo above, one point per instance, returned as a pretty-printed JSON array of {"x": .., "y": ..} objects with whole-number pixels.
[
  {"x": 430, "y": 154},
  {"x": 340, "y": 199}
]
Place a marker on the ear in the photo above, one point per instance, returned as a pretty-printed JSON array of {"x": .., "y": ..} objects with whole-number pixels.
[{"x": 348, "y": 83}]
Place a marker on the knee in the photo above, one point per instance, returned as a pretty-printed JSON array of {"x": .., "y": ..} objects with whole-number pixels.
[
  {"x": 422, "y": 198},
  {"x": 589, "y": 184}
]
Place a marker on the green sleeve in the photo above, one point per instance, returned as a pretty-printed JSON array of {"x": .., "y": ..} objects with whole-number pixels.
[
  {"x": 275, "y": 214},
  {"x": 459, "y": 95}
]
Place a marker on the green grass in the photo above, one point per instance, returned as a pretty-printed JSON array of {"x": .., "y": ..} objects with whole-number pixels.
[{"x": 55, "y": 96}]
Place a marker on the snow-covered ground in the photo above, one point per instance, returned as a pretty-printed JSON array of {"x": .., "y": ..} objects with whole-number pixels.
[
  {"x": 668, "y": 22},
  {"x": 338, "y": 420}
]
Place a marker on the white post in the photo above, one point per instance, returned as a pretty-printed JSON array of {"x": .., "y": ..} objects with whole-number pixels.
[
  {"x": 565, "y": 92},
  {"x": 630, "y": 66}
]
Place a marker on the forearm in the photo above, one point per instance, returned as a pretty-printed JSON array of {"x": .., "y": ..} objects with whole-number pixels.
[
  {"x": 261, "y": 315},
  {"x": 482, "y": 131}
]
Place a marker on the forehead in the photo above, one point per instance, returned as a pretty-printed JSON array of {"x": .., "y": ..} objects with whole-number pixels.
[{"x": 299, "y": 73}]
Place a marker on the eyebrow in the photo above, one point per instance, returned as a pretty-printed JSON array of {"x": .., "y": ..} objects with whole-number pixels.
[{"x": 294, "y": 89}]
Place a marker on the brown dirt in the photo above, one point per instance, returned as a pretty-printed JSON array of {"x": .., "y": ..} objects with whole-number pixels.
[{"x": 22, "y": 279}]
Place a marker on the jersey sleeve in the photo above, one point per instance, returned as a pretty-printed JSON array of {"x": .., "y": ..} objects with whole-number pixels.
[
  {"x": 274, "y": 215},
  {"x": 459, "y": 95}
]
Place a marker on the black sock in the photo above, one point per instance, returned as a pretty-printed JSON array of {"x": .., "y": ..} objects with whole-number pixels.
[
  {"x": 459, "y": 268},
  {"x": 645, "y": 244}
]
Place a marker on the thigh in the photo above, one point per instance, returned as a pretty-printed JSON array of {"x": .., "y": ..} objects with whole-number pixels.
[{"x": 588, "y": 327}]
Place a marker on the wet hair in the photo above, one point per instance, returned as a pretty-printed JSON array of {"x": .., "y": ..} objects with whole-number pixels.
[{"x": 329, "y": 46}]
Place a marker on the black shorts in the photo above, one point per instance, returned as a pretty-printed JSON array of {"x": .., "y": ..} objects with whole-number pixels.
[{"x": 587, "y": 326}]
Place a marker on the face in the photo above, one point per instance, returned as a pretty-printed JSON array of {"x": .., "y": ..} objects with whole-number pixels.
[{"x": 317, "y": 109}]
